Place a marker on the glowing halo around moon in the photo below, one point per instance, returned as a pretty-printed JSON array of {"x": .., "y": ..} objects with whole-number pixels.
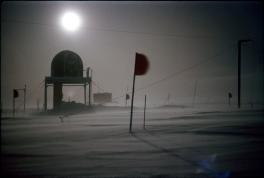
[{"x": 70, "y": 21}]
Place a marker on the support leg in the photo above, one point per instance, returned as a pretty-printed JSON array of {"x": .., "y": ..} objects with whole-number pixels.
[
  {"x": 84, "y": 93},
  {"x": 45, "y": 96}
]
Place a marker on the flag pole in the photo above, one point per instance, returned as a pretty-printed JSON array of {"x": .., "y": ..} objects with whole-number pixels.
[
  {"x": 132, "y": 100},
  {"x": 140, "y": 68}
]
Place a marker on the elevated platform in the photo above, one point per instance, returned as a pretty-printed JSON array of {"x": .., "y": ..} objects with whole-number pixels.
[{"x": 68, "y": 80}]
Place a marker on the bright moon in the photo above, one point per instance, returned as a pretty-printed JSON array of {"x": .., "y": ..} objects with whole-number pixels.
[{"x": 70, "y": 21}]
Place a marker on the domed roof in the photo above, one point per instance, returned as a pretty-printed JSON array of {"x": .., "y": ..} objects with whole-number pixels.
[{"x": 67, "y": 64}]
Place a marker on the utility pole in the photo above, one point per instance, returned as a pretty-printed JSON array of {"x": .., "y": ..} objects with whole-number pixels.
[{"x": 240, "y": 42}]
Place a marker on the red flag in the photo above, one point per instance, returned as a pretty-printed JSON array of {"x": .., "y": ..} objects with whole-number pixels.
[{"x": 141, "y": 64}]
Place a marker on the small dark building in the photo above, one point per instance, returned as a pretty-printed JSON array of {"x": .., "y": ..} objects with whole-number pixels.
[
  {"x": 102, "y": 98},
  {"x": 66, "y": 69}
]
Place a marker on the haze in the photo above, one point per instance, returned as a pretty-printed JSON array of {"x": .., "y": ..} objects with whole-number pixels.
[{"x": 173, "y": 35}]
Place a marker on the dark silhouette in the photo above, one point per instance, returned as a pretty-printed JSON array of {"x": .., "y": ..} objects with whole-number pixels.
[
  {"x": 66, "y": 68},
  {"x": 229, "y": 98},
  {"x": 141, "y": 68},
  {"x": 67, "y": 64},
  {"x": 239, "y": 44}
]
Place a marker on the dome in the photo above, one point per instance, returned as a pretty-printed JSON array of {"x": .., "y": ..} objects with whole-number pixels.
[{"x": 67, "y": 64}]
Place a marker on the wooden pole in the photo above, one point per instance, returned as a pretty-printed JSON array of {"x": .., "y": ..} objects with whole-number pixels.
[
  {"x": 14, "y": 107},
  {"x": 25, "y": 98},
  {"x": 145, "y": 111},
  {"x": 194, "y": 93}
]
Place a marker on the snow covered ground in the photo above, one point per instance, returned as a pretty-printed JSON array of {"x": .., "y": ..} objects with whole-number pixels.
[{"x": 175, "y": 143}]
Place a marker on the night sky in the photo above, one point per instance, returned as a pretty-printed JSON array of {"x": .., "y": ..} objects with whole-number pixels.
[{"x": 185, "y": 42}]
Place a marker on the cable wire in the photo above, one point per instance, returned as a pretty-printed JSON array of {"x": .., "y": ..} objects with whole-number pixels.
[
  {"x": 172, "y": 35},
  {"x": 178, "y": 72}
]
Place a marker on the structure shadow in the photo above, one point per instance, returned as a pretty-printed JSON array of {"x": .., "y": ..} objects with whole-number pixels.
[
  {"x": 164, "y": 150},
  {"x": 152, "y": 133},
  {"x": 203, "y": 164}
]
